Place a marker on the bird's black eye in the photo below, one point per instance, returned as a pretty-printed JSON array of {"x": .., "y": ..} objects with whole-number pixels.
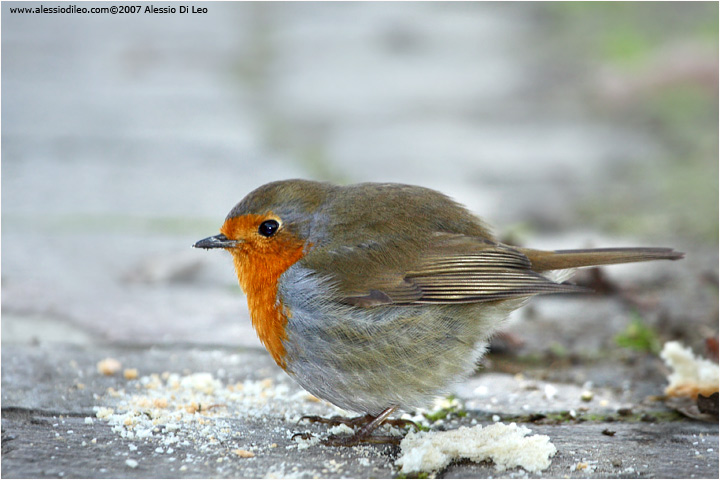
[{"x": 268, "y": 228}]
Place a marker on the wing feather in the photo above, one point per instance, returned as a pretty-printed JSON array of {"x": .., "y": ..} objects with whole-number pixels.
[{"x": 459, "y": 269}]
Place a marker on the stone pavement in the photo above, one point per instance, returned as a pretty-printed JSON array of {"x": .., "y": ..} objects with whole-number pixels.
[
  {"x": 49, "y": 395},
  {"x": 126, "y": 138}
]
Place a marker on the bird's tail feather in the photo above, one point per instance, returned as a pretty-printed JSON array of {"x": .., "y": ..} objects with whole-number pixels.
[{"x": 543, "y": 260}]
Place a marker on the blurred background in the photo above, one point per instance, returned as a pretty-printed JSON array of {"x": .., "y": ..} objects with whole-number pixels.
[{"x": 126, "y": 138}]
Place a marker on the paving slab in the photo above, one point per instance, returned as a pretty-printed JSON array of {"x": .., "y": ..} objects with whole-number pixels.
[
  {"x": 53, "y": 396},
  {"x": 127, "y": 138}
]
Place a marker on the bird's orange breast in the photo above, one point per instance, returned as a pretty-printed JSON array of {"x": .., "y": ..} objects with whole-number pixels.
[{"x": 259, "y": 262}]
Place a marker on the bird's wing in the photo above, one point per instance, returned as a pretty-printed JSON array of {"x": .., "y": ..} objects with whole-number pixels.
[{"x": 452, "y": 268}]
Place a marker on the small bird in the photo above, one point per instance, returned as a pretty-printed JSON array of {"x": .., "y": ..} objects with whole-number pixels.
[{"x": 378, "y": 296}]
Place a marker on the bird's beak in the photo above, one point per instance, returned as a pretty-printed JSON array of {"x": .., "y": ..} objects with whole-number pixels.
[{"x": 218, "y": 241}]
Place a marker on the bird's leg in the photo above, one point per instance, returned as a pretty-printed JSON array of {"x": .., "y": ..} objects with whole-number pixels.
[
  {"x": 334, "y": 421},
  {"x": 364, "y": 435},
  {"x": 357, "y": 421},
  {"x": 368, "y": 423}
]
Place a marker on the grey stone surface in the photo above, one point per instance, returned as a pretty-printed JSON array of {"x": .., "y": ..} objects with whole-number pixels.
[
  {"x": 49, "y": 392},
  {"x": 126, "y": 138}
]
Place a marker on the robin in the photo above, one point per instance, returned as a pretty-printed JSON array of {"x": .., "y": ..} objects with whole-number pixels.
[{"x": 378, "y": 296}]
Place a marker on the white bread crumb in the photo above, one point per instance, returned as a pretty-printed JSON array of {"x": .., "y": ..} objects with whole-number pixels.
[
  {"x": 508, "y": 446},
  {"x": 691, "y": 375},
  {"x": 109, "y": 366}
]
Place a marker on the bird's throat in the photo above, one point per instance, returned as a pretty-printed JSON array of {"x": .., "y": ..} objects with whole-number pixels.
[{"x": 258, "y": 275}]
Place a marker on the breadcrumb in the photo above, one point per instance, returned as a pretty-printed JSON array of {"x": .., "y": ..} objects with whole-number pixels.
[
  {"x": 690, "y": 375},
  {"x": 243, "y": 453},
  {"x": 109, "y": 366},
  {"x": 508, "y": 446}
]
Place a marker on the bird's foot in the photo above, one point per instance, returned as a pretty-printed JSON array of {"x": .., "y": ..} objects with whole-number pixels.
[
  {"x": 353, "y": 440},
  {"x": 337, "y": 420},
  {"x": 367, "y": 423}
]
